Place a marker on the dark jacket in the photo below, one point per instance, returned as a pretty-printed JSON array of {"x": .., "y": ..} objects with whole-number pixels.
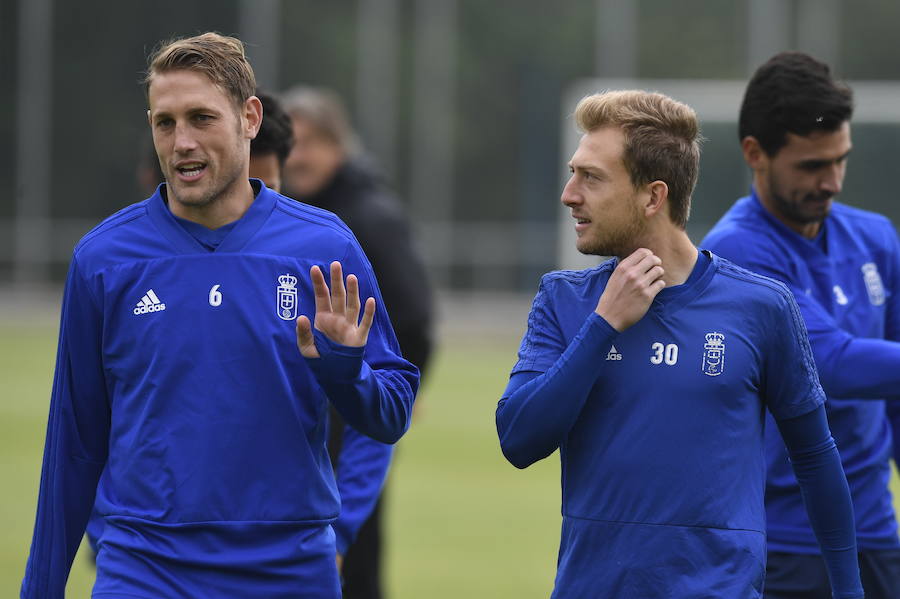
[{"x": 373, "y": 212}]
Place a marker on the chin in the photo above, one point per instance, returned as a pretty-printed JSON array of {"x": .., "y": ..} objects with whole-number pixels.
[{"x": 193, "y": 199}]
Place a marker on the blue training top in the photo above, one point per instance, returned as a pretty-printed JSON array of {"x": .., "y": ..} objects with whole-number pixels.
[
  {"x": 660, "y": 430},
  {"x": 179, "y": 379},
  {"x": 847, "y": 285},
  {"x": 363, "y": 464}
]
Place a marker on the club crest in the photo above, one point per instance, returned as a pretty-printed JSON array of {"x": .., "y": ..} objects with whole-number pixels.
[
  {"x": 873, "y": 283},
  {"x": 286, "y": 304},
  {"x": 714, "y": 354}
]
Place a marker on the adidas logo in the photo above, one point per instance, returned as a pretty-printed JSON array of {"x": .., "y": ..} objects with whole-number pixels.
[
  {"x": 149, "y": 303},
  {"x": 613, "y": 354}
]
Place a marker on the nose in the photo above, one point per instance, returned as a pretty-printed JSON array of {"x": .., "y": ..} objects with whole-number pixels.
[
  {"x": 833, "y": 179},
  {"x": 184, "y": 139},
  {"x": 570, "y": 196}
]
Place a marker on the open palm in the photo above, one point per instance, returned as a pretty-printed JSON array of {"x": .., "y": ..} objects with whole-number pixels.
[{"x": 337, "y": 312}]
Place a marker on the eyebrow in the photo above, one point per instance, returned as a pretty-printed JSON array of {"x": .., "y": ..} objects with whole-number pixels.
[
  {"x": 817, "y": 163},
  {"x": 190, "y": 111},
  {"x": 595, "y": 170}
]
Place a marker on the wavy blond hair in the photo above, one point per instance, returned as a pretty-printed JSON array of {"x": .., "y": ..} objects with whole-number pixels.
[
  {"x": 219, "y": 57},
  {"x": 662, "y": 140}
]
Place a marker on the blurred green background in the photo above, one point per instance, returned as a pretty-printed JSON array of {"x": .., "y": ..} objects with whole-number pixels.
[{"x": 462, "y": 522}]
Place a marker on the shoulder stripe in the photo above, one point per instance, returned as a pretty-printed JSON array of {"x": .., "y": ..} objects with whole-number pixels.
[
  {"x": 789, "y": 302},
  {"x": 122, "y": 217},
  {"x": 734, "y": 271},
  {"x": 313, "y": 215},
  {"x": 580, "y": 276}
]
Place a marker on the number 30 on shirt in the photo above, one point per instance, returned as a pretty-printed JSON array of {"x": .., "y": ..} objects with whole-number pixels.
[{"x": 667, "y": 354}]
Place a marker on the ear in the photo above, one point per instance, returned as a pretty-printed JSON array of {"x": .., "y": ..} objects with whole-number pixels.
[
  {"x": 253, "y": 115},
  {"x": 149, "y": 119},
  {"x": 657, "y": 196},
  {"x": 754, "y": 155}
]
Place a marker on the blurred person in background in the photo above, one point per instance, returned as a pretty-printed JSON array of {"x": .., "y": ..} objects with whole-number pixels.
[
  {"x": 197, "y": 361},
  {"x": 651, "y": 374},
  {"x": 272, "y": 145},
  {"x": 326, "y": 168},
  {"x": 842, "y": 265}
]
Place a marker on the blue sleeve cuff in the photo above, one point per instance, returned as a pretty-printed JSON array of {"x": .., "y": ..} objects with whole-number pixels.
[
  {"x": 596, "y": 325},
  {"x": 336, "y": 362}
]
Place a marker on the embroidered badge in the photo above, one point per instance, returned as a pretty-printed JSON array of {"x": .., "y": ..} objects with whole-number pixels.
[
  {"x": 287, "y": 297},
  {"x": 873, "y": 283},
  {"x": 714, "y": 354}
]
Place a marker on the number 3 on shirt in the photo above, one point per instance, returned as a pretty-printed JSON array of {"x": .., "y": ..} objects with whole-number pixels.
[
  {"x": 664, "y": 353},
  {"x": 215, "y": 297}
]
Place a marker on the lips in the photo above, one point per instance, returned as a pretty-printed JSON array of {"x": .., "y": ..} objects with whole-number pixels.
[{"x": 190, "y": 171}]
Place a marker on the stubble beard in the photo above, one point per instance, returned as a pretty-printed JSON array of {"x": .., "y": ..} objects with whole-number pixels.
[
  {"x": 620, "y": 242},
  {"x": 793, "y": 210},
  {"x": 216, "y": 186},
  {"x": 215, "y": 192}
]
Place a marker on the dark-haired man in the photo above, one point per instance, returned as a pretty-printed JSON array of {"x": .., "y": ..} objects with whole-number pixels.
[
  {"x": 843, "y": 266},
  {"x": 272, "y": 145},
  {"x": 180, "y": 399}
]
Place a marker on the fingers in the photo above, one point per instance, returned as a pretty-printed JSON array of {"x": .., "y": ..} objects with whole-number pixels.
[
  {"x": 653, "y": 275},
  {"x": 367, "y": 320},
  {"x": 643, "y": 267},
  {"x": 646, "y": 261},
  {"x": 352, "y": 299},
  {"x": 320, "y": 289},
  {"x": 305, "y": 340},
  {"x": 338, "y": 294},
  {"x": 635, "y": 257}
]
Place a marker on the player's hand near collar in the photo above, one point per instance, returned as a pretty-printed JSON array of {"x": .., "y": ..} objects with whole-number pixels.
[
  {"x": 631, "y": 289},
  {"x": 337, "y": 313}
]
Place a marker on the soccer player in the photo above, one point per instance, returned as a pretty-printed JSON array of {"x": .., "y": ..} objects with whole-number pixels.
[
  {"x": 651, "y": 374},
  {"x": 842, "y": 266},
  {"x": 179, "y": 379},
  {"x": 273, "y": 142}
]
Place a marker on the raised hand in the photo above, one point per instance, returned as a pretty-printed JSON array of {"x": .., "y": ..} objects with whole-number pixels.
[
  {"x": 631, "y": 289},
  {"x": 337, "y": 312}
]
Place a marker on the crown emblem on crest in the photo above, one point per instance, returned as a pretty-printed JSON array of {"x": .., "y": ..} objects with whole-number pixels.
[
  {"x": 286, "y": 300},
  {"x": 287, "y": 281},
  {"x": 714, "y": 354},
  {"x": 715, "y": 339},
  {"x": 873, "y": 283}
]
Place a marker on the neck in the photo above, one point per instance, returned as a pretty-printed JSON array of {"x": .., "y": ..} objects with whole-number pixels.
[
  {"x": 807, "y": 230},
  {"x": 676, "y": 251},
  {"x": 228, "y": 207}
]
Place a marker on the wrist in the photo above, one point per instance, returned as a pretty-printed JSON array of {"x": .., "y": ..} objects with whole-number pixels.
[
  {"x": 616, "y": 324},
  {"x": 336, "y": 361}
]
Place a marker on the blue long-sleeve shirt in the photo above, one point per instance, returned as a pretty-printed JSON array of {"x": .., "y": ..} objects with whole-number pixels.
[
  {"x": 660, "y": 432},
  {"x": 179, "y": 386},
  {"x": 847, "y": 284}
]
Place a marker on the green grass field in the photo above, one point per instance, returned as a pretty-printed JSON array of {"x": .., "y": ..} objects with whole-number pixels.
[{"x": 462, "y": 522}]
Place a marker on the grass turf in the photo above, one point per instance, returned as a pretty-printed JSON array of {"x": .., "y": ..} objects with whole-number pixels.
[{"x": 461, "y": 521}]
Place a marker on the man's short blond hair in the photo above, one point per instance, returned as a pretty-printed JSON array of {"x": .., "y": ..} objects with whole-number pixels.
[
  {"x": 221, "y": 58},
  {"x": 662, "y": 140}
]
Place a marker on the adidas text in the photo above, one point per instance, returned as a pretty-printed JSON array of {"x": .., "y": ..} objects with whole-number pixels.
[{"x": 150, "y": 308}]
